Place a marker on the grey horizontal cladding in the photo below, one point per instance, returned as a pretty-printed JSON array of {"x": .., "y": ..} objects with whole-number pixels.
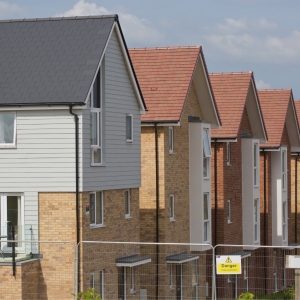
[
  {"x": 122, "y": 159},
  {"x": 44, "y": 157},
  {"x": 55, "y": 62}
]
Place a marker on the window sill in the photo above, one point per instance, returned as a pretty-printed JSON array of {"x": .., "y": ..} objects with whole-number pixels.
[
  {"x": 3, "y": 146},
  {"x": 97, "y": 165},
  {"x": 206, "y": 178},
  {"x": 97, "y": 226}
]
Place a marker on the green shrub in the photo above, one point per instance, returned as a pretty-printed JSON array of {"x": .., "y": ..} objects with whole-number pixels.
[
  {"x": 246, "y": 295},
  {"x": 90, "y": 294}
]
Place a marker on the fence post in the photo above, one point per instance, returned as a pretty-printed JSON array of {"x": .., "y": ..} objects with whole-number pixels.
[
  {"x": 213, "y": 276},
  {"x": 76, "y": 271}
]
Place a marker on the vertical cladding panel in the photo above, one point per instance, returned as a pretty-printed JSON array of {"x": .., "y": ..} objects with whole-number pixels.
[{"x": 122, "y": 160}]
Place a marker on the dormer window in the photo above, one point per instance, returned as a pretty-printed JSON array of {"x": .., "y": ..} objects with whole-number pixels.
[
  {"x": 7, "y": 129},
  {"x": 96, "y": 120}
]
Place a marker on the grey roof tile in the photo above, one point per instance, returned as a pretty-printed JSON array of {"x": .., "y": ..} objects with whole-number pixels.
[{"x": 41, "y": 58}]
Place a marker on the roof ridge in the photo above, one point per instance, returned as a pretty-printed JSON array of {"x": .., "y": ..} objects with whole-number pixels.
[
  {"x": 166, "y": 48},
  {"x": 274, "y": 90},
  {"x": 231, "y": 73},
  {"x": 60, "y": 18}
]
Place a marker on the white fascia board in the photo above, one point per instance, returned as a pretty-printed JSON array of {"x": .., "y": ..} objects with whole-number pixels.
[
  {"x": 210, "y": 93},
  {"x": 270, "y": 149},
  {"x": 130, "y": 71},
  {"x": 160, "y": 124},
  {"x": 223, "y": 141},
  {"x": 42, "y": 107}
]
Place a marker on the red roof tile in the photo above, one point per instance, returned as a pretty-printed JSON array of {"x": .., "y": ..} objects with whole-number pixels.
[
  {"x": 274, "y": 105},
  {"x": 164, "y": 75},
  {"x": 230, "y": 91}
]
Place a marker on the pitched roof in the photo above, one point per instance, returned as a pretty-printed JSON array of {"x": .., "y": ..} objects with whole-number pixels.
[
  {"x": 230, "y": 90},
  {"x": 274, "y": 104},
  {"x": 297, "y": 106},
  {"x": 50, "y": 61},
  {"x": 165, "y": 75}
]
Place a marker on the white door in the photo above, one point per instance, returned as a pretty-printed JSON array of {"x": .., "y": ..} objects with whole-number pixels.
[{"x": 12, "y": 214}]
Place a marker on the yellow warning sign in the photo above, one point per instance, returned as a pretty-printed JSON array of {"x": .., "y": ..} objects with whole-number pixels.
[{"x": 228, "y": 264}]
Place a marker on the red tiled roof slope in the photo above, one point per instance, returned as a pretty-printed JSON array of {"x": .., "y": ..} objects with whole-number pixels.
[
  {"x": 274, "y": 105},
  {"x": 164, "y": 75},
  {"x": 230, "y": 91},
  {"x": 297, "y": 106}
]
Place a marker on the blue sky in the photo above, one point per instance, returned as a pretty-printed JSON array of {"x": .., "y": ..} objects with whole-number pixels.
[{"x": 262, "y": 36}]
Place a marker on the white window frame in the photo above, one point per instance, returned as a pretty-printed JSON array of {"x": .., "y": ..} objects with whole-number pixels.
[
  {"x": 206, "y": 153},
  {"x": 284, "y": 169},
  {"x": 99, "y": 127},
  {"x": 171, "y": 140},
  {"x": 284, "y": 221},
  {"x": 95, "y": 224},
  {"x": 129, "y": 139},
  {"x": 132, "y": 277},
  {"x": 101, "y": 284},
  {"x": 127, "y": 204},
  {"x": 228, "y": 154},
  {"x": 256, "y": 220},
  {"x": 13, "y": 144},
  {"x": 256, "y": 164},
  {"x": 195, "y": 284},
  {"x": 172, "y": 207},
  {"x": 206, "y": 222},
  {"x": 246, "y": 273},
  {"x": 229, "y": 212}
]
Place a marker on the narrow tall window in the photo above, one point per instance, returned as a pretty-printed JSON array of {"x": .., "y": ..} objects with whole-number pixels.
[
  {"x": 284, "y": 220},
  {"x": 97, "y": 282},
  {"x": 245, "y": 271},
  {"x": 96, "y": 208},
  {"x": 127, "y": 204},
  {"x": 96, "y": 120},
  {"x": 228, "y": 153},
  {"x": 7, "y": 129},
  {"x": 206, "y": 152},
  {"x": 283, "y": 166},
  {"x": 195, "y": 279},
  {"x": 172, "y": 208},
  {"x": 179, "y": 282},
  {"x": 206, "y": 218},
  {"x": 228, "y": 211},
  {"x": 256, "y": 164},
  {"x": 256, "y": 220},
  {"x": 171, "y": 140},
  {"x": 129, "y": 128},
  {"x": 122, "y": 283}
]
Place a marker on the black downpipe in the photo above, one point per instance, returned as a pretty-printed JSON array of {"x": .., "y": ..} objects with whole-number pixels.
[
  {"x": 157, "y": 205},
  {"x": 296, "y": 199},
  {"x": 265, "y": 218},
  {"x": 77, "y": 186}
]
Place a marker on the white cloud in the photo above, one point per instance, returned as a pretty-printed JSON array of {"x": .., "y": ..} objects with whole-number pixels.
[
  {"x": 264, "y": 24},
  {"x": 233, "y": 25},
  {"x": 261, "y": 85},
  {"x": 138, "y": 32},
  {"x": 10, "y": 11}
]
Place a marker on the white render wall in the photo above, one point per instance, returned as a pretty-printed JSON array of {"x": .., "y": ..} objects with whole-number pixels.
[{"x": 198, "y": 185}]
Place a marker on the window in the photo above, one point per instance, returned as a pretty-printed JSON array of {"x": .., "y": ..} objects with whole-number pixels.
[
  {"x": 129, "y": 128},
  {"x": 96, "y": 120},
  {"x": 7, "y": 129},
  {"x": 206, "y": 152},
  {"x": 228, "y": 211},
  {"x": 195, "y": 279},
  {"x": 206, "y": 217},
  {"x": 283, "y": 165},
  {"x": 171, "y": 140},
  {"x": 172, "y": 206},
  {"x": 179, "y": 282},
  {"x": 256, "y": 164},
  {"x": 228, "y": 154},
  {"x": 132, "y": 290},
  {"x": 97, "y": 282},
  {"x": 171, "y": 275},
  {"x": 122, "y": 283},
  {"x": 284, "y": 220},
  {"x": 256, "y": 220},
  {"x": 245, "y": 273},
  {"x": 96, "y": 208},
  {"x": 127, "y": 204}
]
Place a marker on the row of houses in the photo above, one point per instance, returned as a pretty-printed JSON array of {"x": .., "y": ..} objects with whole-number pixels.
[{"x": 99, "y": 142}]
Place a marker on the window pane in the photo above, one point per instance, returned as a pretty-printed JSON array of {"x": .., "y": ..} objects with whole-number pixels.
[
  {"x": 172, "y": 206},
  {"x": 284, "y": 212},
  {"x": 205, "y": 167},
  {"x": 96, "y": 92},
  {"x": 205, "y": 207},
  {"x": 194, "y": 292},
  {"x": 92, "y": 208},
  {"x": 128, "y": 127},
  {"x": 99, "y": 129},
  {"x": 194, "y": 271},
  {"x": 170, "y": 139},
  {"x": 7, "y": 122},
  {"x": 96, "y": 152},
  {"x": 97, "y": 282},
  {"x": 283, "y": 161},
  {"x": 121, "y": 283},
  {"x": 127, "y": 203},
  {"x": 206, "y": 144},
  {"x": 255, "y": 155},
  {"x": 205, "y": 231},
  {"x": 94, "y": 126},
  {"x": 255, "y": 210},
  {"x": 99, "y": 208}
]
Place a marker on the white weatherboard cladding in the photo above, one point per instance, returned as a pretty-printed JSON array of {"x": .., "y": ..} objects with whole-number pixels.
[
  {"x": 278, "y": 196},
  {"x": 43, "y": 160},
  {"x": 249, "y": 192},
  {"x": 198, "y": 186},
  {"x": 121, "y": 167}
]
